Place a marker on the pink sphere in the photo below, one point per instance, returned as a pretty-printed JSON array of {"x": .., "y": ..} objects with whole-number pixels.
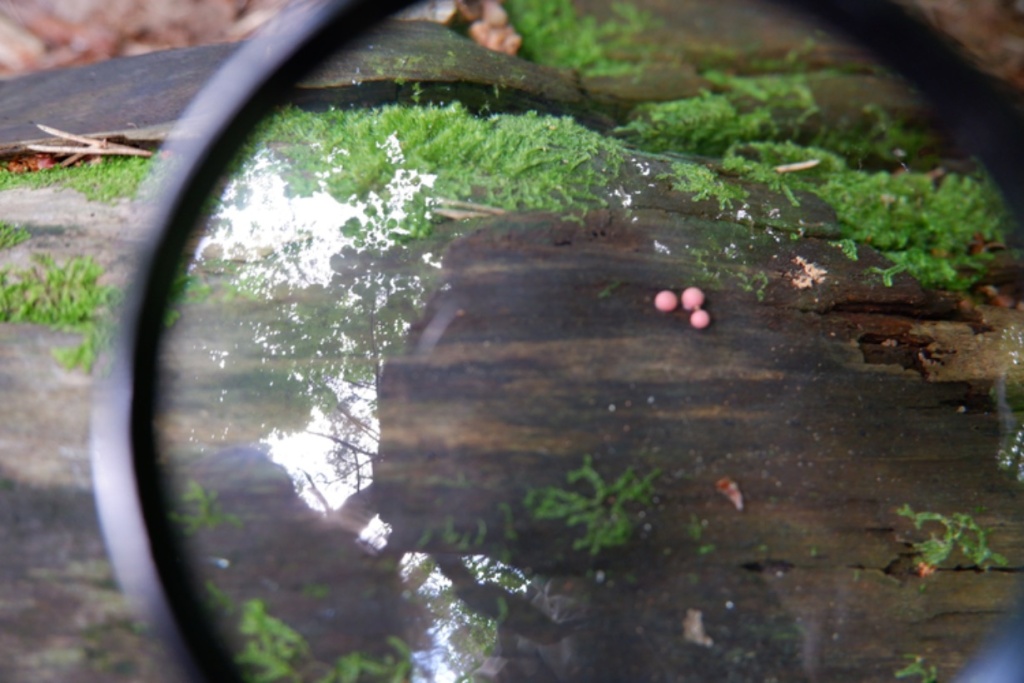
[
  {"x": 700, "y": 319},
  {"x": 693, "y": 298},
  {"x": 666, "y": 301}
]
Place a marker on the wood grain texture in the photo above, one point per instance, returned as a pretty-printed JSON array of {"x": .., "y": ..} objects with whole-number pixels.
[{"x": 814, "y": 579}]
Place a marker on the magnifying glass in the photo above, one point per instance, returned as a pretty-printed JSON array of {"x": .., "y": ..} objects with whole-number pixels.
[{"x": 685, "y": 350}]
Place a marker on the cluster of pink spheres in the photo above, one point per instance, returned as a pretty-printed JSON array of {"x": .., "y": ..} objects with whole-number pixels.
[{"x": 692, "y": 298}]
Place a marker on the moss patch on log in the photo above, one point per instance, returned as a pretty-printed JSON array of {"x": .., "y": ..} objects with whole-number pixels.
[
  {"x": 409, "y": 160},
  {"x": 398, "y": 153},
  {"x": 555, "y": 34},
  {"x": 65, "y": 297},
  {"x": 924, "y": 223},
  {"x": 707, "y": 125},
  {"x": 703, "y": 183},
  {"x": 776, "y": 107}
]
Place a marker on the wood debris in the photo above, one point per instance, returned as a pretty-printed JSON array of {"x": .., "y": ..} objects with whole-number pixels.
[
  {"x": 731, "y": 490},
  {"x": 797, "y": 166},
  {"x": 693, "y": 629},
  {"x": 489, "y": 25},
  {"x": 85, "y": 147},
  {"x": 460, "y": 211},
  {"x": 810, "y": 274}
]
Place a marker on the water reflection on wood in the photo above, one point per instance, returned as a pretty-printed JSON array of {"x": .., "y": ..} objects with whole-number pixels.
[{"x": 535, "y": 375}]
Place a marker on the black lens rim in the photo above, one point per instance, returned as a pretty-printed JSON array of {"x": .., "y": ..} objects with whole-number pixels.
[{"x": 130, "y": 499}]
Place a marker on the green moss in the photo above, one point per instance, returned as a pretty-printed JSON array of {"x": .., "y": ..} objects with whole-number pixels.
[
  {"x": 695, "y": 528},
  {"x": 217, "y": 600},
  {"x": 65, "y": 297},
  {"x": 274, "y": 652},
  {"x": 318, "y": 591},
  {"x": 107, "y": 181},
  {"x": 779, "y": 91},
  {"x": 462, "y": 539},
  {"x": 703, "y": 183},
  {"x": 960, "y": 531},
  {"x": 555, "y": 34},
  {"x": 916, "y": 667},
  {"x": 609, "y": 289},
  {"x": 924, "y": 226},
  {"x": 186, "y": 288},
  {"x": 416, "y": 154},
  {"x": 11, "y": 235},
  {"x": 96, "y": 338},
  {"x": 887, "y": 274},
  {"x": 602, "y": 514},
  {"x": 847, "y": 246},
  {"x": 398, "y": 164},
  {"x": 358, "y": 666},
  {"x": 707, "y": 124},
  {"x": 757, "y": 161},
  {"x": 756, "y": 284},
  {"x": 772, "y": 108},
  {"x": 794, "y": 61},
  {"x": 878, "y": 136},
  {"x": 204, "y": 511},
  {"x": 747, "y": 108}
]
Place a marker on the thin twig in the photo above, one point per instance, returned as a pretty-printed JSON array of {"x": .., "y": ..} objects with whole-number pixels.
[
  {"x": 120, "y": 150},
  {"x": 342, "y": 442},
  {"x": 483, "y": 208},
  {"x": 457, "y": 215},
  {"x": 73, "y": 159},
  {"x": 363, "y": 427},
  {"x": 797, "y": 166},
  {"x": 92, "y": 146},
  {"x": 457, "y": 210},
  {"x": 57, "y": 133},
  {"x": 317, "y": 494}
]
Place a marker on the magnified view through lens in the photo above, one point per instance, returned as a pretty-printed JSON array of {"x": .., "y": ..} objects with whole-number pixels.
[{"x": 598, "y": 342}]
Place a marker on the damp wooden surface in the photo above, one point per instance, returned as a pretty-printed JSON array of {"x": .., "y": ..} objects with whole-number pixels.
[{"x": 551, "y": 349}]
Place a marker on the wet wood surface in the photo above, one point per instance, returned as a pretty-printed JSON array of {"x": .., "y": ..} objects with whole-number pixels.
[{"x": 545, "y": 347}]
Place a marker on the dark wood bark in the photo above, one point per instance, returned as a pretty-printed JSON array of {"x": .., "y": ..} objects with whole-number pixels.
[{"x": 831, "y": 405}]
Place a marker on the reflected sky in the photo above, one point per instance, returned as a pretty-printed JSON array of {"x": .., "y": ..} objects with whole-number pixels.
[
  {"x": 258, "y": 217},
  {"x": 320, "y": 283},
  {"x": 280, "y": 247}
]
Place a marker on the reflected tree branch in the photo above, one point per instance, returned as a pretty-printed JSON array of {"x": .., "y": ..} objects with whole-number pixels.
[
  {"x": 361, "y": 424},
  {"x": 345, "y": 444}
]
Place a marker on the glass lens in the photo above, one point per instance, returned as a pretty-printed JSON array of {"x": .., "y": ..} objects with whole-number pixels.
[{"x": 679, "y": 347}]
